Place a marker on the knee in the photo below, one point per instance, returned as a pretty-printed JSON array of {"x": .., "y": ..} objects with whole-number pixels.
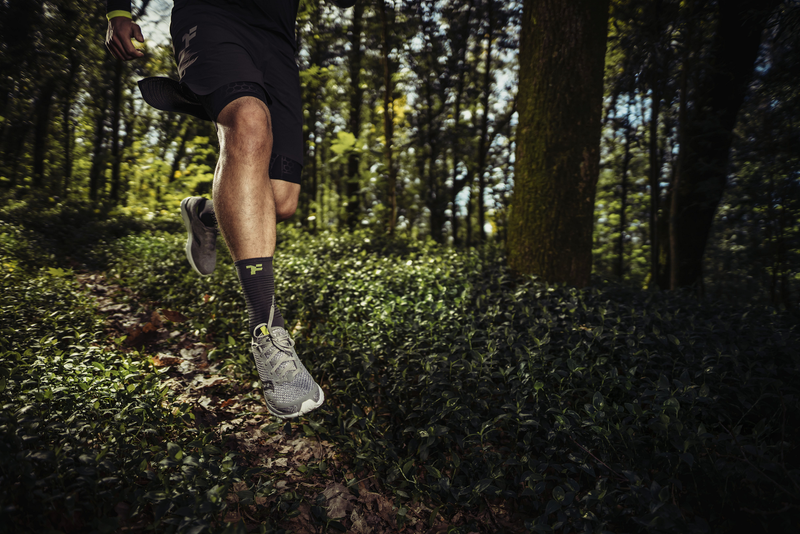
[
  {"x": 245, "y": 125},
  {"x": 285, "y": 208}
]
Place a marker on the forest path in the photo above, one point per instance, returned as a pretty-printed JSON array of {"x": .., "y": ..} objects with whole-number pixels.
[{"x": 306, "y": 469}]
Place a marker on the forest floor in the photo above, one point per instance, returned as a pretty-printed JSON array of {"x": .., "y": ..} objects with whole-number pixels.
[
  {"x": 236, "y": 413},
  {"x": 460, "y": 397}
]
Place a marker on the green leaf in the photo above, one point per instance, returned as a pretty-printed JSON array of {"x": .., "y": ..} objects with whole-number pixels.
[
  {"x": 345, "y": 142},
  {"x": 481, "y": 486},
  {"x": 56, "y": 271},
  {"x": 407, "y": 467},
  {"x": 597, "y": 400},
  {"x": 673, "y": 339}
]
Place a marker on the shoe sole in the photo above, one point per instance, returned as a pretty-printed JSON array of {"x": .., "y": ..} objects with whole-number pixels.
[
  {"x": 307, "y": 406},
  {"x": 188, "y": 224}
]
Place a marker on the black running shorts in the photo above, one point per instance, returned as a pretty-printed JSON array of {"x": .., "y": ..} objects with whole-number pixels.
[{"x": 217, "y": 51}]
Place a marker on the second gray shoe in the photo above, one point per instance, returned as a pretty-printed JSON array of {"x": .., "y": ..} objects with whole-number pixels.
[{"x": 201, "y": 245}]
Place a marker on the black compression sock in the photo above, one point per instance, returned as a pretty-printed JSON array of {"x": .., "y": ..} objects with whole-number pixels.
[
  {"x": 258, "y": 285},
  {"x": 205, "y": 212}
]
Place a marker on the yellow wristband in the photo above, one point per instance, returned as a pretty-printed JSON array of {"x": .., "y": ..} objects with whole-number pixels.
[{"x": 119, "y": 13}]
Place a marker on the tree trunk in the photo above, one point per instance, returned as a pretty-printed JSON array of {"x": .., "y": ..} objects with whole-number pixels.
[
  {"x": 626, "y": 159},
  {"x": 66, "y": 117},
  {"x": 42, "y": 124},
  {"x": 354, "y": 122},
  {"x": 654, "y": 177},
  {"x": 388, "y": 119},
  {"x": 690, "y": 46},
  {"x": 483, "y": 148},
  {"x": 116, "y": 153},
  {"x": 561, "y": 59},
  {"x": 461, "y": 67},
  {"x": 180, "y": 152},
  {"x": 97, "y": 171},
  {"x": 704, "y": 155}
]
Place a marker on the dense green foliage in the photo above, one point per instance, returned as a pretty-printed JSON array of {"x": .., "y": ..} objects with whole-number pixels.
[
  {"x": 88, "y": 437},
  {"x": 605, "y": 409}
]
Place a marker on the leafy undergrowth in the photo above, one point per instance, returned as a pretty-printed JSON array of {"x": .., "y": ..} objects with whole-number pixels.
[
  {"x": 456, "y": 396},
  {"x": 553, "y": 408},
  {"x": 89, "y": 441}
]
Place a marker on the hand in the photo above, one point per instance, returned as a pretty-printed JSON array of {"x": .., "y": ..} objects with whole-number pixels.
[{"x": 118, "y": 38}]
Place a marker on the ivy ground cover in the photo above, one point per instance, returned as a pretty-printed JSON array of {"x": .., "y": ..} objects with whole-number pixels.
[{"x": 452, "y": 384}]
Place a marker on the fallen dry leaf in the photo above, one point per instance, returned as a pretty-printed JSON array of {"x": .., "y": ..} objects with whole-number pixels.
[
  {"x": 165, "y": 360},
  {"x": 200, "y": 382},
  {"x": 155, "y": 318},
  {"x": 340, "y": 500},
  {"x": 173, "y": 316}
]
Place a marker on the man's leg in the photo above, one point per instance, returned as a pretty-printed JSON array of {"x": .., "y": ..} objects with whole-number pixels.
[
  {"x": 243, "y": 198},
  {"x": 245, "y": 206}
]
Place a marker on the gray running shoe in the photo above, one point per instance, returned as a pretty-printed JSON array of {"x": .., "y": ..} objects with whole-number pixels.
[
  {"x": 201, "y": 245},
  {"x": 288, "y": 387}
]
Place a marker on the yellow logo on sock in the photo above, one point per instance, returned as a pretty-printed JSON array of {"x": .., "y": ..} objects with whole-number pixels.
[{"x": 255, "y": 268}]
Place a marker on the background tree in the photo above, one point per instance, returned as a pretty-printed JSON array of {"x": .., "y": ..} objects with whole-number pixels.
[
  {"x": 715, "y": 102},
  {"x": 558, "y": 139}
]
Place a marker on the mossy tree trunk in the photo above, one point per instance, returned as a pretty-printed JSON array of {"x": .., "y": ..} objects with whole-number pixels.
[{"x": 562, "y": 52}]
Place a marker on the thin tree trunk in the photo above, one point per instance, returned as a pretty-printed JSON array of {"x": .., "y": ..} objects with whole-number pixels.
[
  {"x": 483, "y": 149},
  {"x": 97, "y": 170},
  {"x": 470, "y": 204},
  {"x": 42, "y": 124},
  {"x": 620, "y": 267},
  {"x": 388, "y": 119},
  {"x": 682, "y": 119},
  {"x": 354, "y": 122},
  {"x": 180, "y": 152},
  {"x": 67, "y": 125},
  {"x": 67, "y": 146},
  {"x": 116, "y": 153},
  {"x": 315, "y": 195},
  {"x": 461, "y": 67},
  {"x": 654, "y": 176}
]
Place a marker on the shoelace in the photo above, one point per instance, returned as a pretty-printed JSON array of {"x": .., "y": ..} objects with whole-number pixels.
[{"x": 284, "y": 344}]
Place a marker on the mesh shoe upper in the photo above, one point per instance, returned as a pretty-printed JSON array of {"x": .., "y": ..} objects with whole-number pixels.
[{"x": 288, "y": 387}]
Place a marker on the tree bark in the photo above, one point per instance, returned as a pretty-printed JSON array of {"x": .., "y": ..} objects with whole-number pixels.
[
  {"x": 654, "y": 178},
  {"x": 66, "y": 118},
  {"x": 561, "y": 58},
  {"x": 116, "y": 153},
  {"x": 483, "y": 147},
  {"x": 180, "y": 152},
  {"x": 42, "y": 124},
  {"x": 461, "y": 67},
  {"x": 704, "y": 155},
  {"x": 626, "y": 159},
  {"x": 388, "y": 120},
  {"x": 97, "y": 170},
  {"x": 354, "y": 122}
]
